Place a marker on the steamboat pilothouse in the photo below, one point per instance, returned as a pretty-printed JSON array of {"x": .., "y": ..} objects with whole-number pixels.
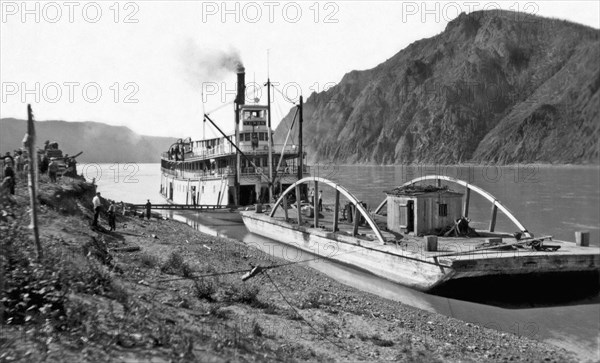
[{"x": 233, "y": 170}]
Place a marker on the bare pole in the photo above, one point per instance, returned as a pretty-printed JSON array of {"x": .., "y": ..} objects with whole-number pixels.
[
  {"x": 270, "y": 140},
  {"x": 300, "y": 152},
  {"x": 29, "y": 143}
]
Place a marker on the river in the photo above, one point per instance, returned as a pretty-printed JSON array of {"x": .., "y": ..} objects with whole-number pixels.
[{"x": 548, "y": 200}]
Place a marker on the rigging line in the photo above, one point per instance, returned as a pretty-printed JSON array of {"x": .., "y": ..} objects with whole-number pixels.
[
  {"x": 263, "y": 268},
  {"x": 306, "y": 321},
  {"x": 218, "y": 108},
  {"x": 285, "y": 144},
  {"x": 203, "y": 276},
  {"x": 284, "y": 96},
  {"x": 284, "y": 119},
  {"x": 239, "y": 271}
]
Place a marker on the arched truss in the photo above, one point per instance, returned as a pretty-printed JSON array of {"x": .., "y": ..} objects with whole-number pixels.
[
  {"x": 478, "y": 190},
  {"x": 340, "y": 189}
]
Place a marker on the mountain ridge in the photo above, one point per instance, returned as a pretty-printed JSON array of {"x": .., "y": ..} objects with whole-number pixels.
[
  {"x": 493, "y": 87},
  {"x": 99, "y": 142}
]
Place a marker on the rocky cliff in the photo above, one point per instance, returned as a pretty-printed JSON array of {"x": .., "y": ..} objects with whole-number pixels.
[
  {"x": 495, "y": 86},
  {"x": 99, "y": 142}
]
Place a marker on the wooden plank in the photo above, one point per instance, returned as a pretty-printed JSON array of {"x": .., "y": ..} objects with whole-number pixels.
[
  {"x": 336, "y": 211},
  {"x": 493, "y": 219},
  {"x": 504, "y": 245},
  {"x": 299, "y": 207},
  {"x": 316, "y": 205},
  {"x": 466, "y": 204},
  {"x": 582, "y": 238},
  {"x": 356, "y": 221},
  {"x": 285, "y": 207}
]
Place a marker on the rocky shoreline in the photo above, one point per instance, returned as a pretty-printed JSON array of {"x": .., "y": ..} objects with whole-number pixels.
[{"x": 160, "y": 291}]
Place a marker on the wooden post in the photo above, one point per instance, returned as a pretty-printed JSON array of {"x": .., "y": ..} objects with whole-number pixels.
[
  {"x": 431, "y": 243},
  {"x": 315, "y": 204},
  {"x": 336, "y": 211},
  {"x": 466, "y": 203},
  {"x": 187, "y": 193},
  {"x": 300, "y": 152},
  {"x": 285, "y": 207},
  {"x": 299, "y": 204},
  {"x": 493, "y": 220},
  {"x": 29, "y": 143},
  {"x": 356, "y": 221},
  {"x": 582, "y": 238}
]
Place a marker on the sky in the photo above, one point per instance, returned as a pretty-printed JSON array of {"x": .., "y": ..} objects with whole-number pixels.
[{"x": 157, "y": 66}]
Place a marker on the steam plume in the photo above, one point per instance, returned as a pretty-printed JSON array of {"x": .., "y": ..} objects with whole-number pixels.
[{"x": 204, "y": 64}]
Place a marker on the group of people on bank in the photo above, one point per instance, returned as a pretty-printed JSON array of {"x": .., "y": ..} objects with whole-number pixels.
[
  {"x": 112, "y": 211},
  {"x": 15, "y": 166}
]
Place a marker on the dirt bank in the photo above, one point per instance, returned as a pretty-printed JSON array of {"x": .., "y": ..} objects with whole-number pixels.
[{"x": 160, "y": 291}]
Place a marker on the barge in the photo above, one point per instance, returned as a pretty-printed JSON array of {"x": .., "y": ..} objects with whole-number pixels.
[{"x": 419, "y": 237}]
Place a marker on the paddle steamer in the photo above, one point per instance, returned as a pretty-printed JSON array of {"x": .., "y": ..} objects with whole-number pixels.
[{"x": 239, "y": 169}]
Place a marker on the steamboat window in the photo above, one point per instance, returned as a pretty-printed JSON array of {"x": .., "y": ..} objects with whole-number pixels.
[
  {"x": 247, "y": 137},
  {"x": 443, "y": 210},
  {"x": 261, "y": 136}
]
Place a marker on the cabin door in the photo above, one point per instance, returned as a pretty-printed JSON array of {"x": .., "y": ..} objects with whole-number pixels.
[
  {"x": 407, "y": 216},
  {"x": 410, "y": 209}
]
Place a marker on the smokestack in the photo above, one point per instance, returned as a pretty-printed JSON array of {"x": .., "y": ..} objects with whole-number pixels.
[{"x": 241, "y": 85}]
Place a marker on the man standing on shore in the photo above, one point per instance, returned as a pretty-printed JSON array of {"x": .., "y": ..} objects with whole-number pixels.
[
  {"x": 52, "y": 170},
  {"x": 112, "y": 214},
  {"x": 9, "y": 174},
  {"x": 148, "y": 209},
  {"x": 320, "y": 200},
  {"x": 97, "y": 205}
]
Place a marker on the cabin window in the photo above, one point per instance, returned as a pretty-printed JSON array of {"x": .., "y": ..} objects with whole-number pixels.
[
  {"x": 261, "y": 136},
  {"x": 247, "y": 137},
  {"x": 443, "y": 210}
]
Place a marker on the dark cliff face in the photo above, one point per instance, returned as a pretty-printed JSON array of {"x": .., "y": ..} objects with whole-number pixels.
[
  {"x": 495, "y": 87},
  {"x": 99, "y": 142}
]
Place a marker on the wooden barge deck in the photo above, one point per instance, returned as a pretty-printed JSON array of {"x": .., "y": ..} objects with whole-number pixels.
[{"x": 455, "y": 262}]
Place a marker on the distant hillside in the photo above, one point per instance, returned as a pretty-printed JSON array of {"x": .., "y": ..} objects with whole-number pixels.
[
  {"x": 99, "y": 142},
  {"x": 495, "y": 86}
]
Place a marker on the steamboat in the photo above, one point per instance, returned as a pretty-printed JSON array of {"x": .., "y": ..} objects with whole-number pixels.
[{"x": 238, "y": 169}]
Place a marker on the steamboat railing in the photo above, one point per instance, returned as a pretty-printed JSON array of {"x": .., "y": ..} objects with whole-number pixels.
[
  {"x": 229, "y": 171},
  {"x": 228, "y": 149}
]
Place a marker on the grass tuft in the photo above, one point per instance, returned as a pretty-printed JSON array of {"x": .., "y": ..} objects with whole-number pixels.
[
  {"x": 204, "y": 289},
  {"x": 176, "y": 265}
]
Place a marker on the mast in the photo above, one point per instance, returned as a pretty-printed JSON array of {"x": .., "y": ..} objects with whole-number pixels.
[
  {"x": 270, "y": 140},
  {"x": 300, "y": 154},
  {"x": 239, "y": 101}
]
